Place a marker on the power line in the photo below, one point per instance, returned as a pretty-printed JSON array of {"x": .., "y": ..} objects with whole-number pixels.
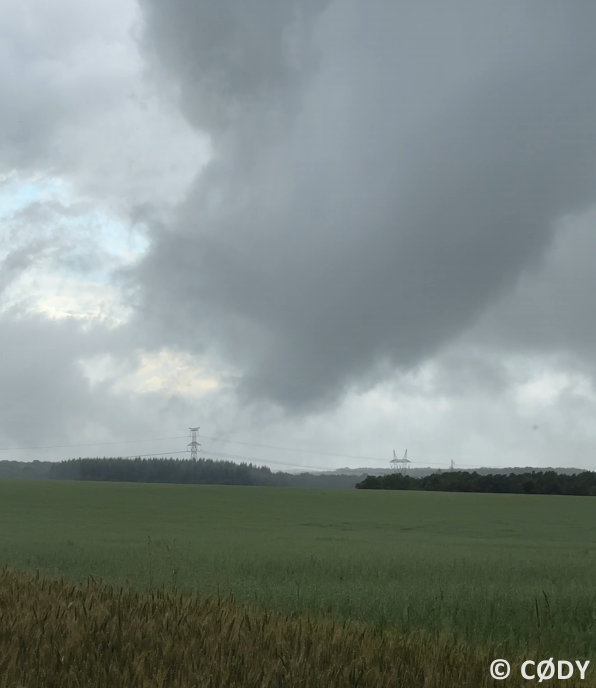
[
  {"x": 297, "y": 465},
  {"x": 244, "y": 458},
  {"x": 215, "y": 439},
  {"x": 292, "y": 449},
  {"x": 225, "y": 455},
  {"x": 318, "y": 453},
  {"x": 265, "y": 461}
]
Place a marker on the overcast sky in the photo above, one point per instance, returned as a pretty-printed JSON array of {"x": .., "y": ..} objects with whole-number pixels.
[{"x": 334, "y": 227}]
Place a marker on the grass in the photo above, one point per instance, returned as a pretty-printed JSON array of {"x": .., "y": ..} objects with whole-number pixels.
[{"x": 513, "y": 572}]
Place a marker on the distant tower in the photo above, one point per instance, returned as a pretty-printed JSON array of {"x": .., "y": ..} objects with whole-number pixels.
[
  {"x": 452, "y": 465},
  {"x": 400, "y": 465},
  {"x": 195, "y": 447}
]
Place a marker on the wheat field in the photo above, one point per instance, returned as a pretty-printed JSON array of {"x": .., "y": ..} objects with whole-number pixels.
[{"x": 55, "y": 634}]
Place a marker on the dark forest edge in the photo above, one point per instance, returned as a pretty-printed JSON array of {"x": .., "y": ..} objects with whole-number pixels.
[
  {"x": 184, "y": 471},
  {"x": 537, "y": 482}
]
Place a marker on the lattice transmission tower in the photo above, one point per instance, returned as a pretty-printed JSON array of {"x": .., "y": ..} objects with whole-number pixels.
[
  {"x": 194, "y": 445},
  {"x": 400, "y": 465}
]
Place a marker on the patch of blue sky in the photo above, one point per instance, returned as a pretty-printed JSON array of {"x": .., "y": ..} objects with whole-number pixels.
[
  {"x": 16, "y": 194},
  {"x": 94, "y": 241},
  {"x": 96, "y": 229},
  {"x": 119, "y": 238}
]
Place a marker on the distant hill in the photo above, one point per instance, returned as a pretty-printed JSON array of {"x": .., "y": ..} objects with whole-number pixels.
[{"x": 421, "y": 472}]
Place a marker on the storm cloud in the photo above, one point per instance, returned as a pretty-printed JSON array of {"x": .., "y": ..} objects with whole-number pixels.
[{"x": 382, "y": 174}]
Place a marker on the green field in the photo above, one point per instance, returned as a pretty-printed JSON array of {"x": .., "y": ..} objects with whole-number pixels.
[{"x": 517, "y": 570}]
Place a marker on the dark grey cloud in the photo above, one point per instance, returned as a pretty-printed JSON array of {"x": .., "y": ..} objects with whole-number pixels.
[
  {"x": 551, "y": 309},
  {"x": 234, "y": 61},
  {"x": 372, "y": 190}
]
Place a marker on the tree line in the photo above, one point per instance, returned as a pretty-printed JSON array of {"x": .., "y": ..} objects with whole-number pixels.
[
  {"x": 27, "y": 470},
  {"x": 536, "y": 482},
  {"x": 198, "y": 472}
]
